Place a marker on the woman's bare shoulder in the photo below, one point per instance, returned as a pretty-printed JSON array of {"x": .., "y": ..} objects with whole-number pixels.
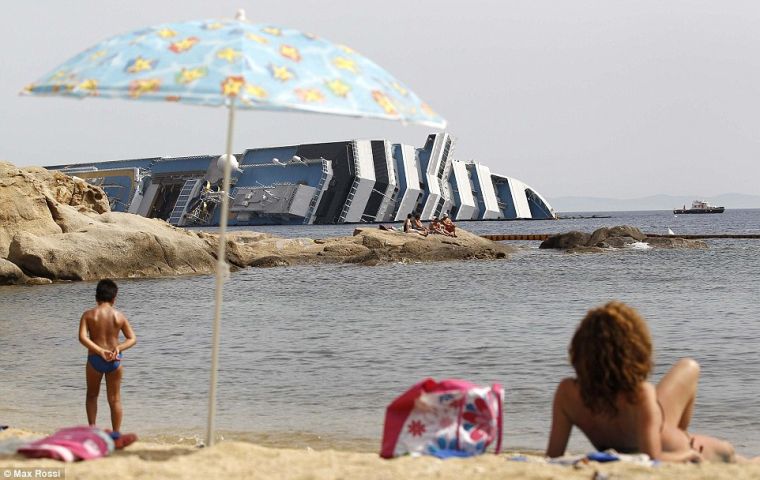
[
  {"x": 568, "y": 387},
  {"x": 568, "y": 383}
]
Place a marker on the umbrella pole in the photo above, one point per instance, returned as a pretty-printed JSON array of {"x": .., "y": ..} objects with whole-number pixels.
[{"x": 222, "y": 272}]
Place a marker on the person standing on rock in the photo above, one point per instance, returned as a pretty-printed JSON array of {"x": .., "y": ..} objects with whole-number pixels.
[{"x": 99, "y": 330}]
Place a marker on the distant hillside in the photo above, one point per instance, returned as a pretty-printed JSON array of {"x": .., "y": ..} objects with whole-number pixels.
[{"x": 654, "y": 202}]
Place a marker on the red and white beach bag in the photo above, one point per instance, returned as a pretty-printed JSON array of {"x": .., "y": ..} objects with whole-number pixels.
[{"x": 445, "y": 419}]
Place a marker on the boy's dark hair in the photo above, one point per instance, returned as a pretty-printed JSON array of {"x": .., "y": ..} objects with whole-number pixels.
[
  {"x": 106, "y": 290},
  {"x": 409, "y": 216},
  {"x": 417, "y": 216}
]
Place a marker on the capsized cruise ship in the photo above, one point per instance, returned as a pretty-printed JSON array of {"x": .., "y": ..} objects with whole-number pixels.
[{"x": 356, "y": 181}]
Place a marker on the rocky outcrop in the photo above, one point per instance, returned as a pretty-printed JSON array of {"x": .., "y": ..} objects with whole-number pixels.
[
  {"x": 615, "y": 237},
  {"x": 26, "y": 197},
  {"x": 367, "y": 246},
  {"x": 675, "y": 242},
  {"x": 112, "y": 245},
  {"x": 564, "y": 241},
  {"x": 55, "y": 227}
]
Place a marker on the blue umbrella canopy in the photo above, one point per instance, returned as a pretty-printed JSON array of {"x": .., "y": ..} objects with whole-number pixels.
[{"x": 261, "y": 67}]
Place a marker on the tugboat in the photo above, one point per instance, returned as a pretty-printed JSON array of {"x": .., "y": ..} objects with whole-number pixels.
[{"x": 699, "y": 206}]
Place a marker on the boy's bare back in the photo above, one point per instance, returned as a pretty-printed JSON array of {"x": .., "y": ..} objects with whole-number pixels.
[{"x": 104, "y": 323}]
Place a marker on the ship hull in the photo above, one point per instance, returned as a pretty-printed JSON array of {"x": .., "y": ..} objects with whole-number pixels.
[{"x": 680, "y": 211}]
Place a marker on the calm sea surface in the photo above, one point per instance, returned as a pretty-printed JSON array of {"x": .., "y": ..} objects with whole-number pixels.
[{"x": 311, "y": 355}]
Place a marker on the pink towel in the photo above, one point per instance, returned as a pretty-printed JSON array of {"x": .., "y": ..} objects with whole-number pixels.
[{"x": 69, "y": 444}]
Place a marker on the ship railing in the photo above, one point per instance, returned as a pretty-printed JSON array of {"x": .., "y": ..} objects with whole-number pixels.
[
  {"x": 354, "y": 185},
  {"x": 318, "y": 193},
  {"x": 182, "y": 200},
  {"x": 349, "y": 201}
]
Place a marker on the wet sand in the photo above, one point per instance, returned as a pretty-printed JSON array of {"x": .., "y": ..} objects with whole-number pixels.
[{"x": 235, "y": 459}]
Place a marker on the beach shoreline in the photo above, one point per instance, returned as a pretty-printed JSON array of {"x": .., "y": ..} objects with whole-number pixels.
[{"x": 231, "y": 459}]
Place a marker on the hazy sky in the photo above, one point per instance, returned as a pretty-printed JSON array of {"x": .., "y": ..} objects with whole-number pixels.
[{"x": 598, "y": 98}]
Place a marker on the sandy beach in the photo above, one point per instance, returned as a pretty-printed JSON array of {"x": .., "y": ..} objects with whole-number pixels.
[{"x": 234, "y": 459}]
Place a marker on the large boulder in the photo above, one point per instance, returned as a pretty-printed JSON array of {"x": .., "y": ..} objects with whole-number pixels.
[
  {"x": 564, "y": 241},
  {"x": 27, "y": 194},
  {"x": 398, "y": 246},
  {"x": 112, "y": 245},
  {"x": 613, "y": 237}
]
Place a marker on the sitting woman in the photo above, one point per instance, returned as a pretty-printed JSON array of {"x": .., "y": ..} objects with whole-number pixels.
[
  {"x": 418, "y": 226},
  {"x": 408, "y": 227},
  {"x": 435, "y": 226},
  {"x": 615, "y": 406},
  {"x": 448, "y": 226}
]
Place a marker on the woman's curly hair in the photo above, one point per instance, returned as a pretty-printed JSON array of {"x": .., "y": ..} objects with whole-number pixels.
[{"x": 611, "y": 352}]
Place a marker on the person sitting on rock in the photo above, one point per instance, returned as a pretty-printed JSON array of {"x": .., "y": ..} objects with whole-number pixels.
[
  {"x": 409, "y": 224},
  {"x": 435, "y": 226},
  {"x": 448, "y": 226},
  {"x": 419, "y": 227}
]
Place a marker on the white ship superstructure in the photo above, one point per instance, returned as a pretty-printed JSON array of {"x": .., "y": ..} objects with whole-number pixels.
[{"x": 357, "y": 181}]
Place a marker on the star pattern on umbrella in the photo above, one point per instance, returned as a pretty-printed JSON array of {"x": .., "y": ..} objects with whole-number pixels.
[
  {"x": 139, "y": 64},
  {"x": 89, "y": 85},
  {"x": 346, "y": 64},
  {"x": 384, "y": 102},
  {"x": 255, "y": 91},
  {"x": 281, "y": 73},
  {"x": 310, "y": 95},
  {"x": 257, "y": 38},
  {"x": 338, "y": 87},
  {"x": 229, "y": 54},
  {"x": 231, "y": 86},
  {"x": 183, "y": 45},
  {"x": 272, "y": 31},
  {"x": 291, "y": 53},
  {"x": 166, "y": 33},
  {"x": 189, "y": 75},
  {"x": 138, "y": 88}
]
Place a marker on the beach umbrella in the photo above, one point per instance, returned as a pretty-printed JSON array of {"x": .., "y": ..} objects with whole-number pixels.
[{"x": 238, "y": 65}]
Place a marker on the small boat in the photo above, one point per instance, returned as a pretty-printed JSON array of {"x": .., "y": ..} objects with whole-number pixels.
[{"x": 699, "y": 206}]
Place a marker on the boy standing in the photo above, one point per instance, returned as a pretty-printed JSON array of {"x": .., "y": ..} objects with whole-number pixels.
[{"x": 99, "y": 330}]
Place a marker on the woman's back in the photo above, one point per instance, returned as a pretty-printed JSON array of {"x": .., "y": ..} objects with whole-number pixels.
[{"x": 621, "y": 431}]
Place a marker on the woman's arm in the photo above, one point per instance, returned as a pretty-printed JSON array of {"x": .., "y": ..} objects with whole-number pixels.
[
  {"x": 650, "y": 423},
  {"x": 561, "y": 423}
]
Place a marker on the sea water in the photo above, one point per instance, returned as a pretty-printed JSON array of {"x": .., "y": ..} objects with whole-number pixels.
[{"x": 312, "y": 355}]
